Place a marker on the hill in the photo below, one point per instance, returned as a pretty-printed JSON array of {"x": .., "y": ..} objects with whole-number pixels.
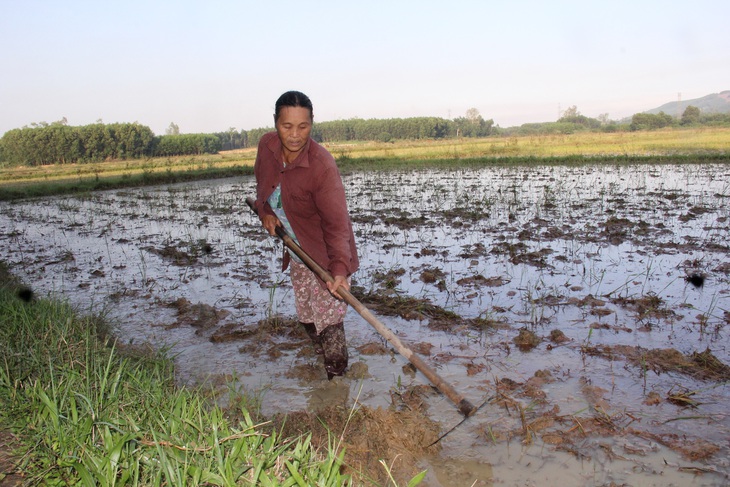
[{"x": 714, "y": 103}]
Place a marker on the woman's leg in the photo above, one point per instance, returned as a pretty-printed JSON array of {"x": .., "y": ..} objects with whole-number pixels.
[{"x": 318, "y": 308}]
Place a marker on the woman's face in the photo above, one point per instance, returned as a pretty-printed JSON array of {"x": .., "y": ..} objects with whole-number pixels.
[{"x": 293, "y": 126}]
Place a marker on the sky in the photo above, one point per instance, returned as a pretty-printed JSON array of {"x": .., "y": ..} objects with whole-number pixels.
[{"x": 209, "y": 66}]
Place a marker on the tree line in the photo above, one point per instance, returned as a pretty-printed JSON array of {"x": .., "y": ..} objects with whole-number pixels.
[
  {"x": 59, "y": 143},
  {"x": 573, "y": 121},
  {"x": 402, "y": 129},
  {"x": 382, "y": 130},
  {"x": 691, "y": 116}
]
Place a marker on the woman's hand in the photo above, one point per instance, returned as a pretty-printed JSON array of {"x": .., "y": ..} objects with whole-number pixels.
[
  {"x": 270, "y": 222},
  {"x": 339, "y": 281}
]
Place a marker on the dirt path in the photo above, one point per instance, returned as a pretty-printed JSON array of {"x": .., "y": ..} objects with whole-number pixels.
[{"x": 9, "y": 460}]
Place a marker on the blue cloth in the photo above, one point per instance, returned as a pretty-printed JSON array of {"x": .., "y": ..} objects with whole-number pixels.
[{"x": 275, "y": 203}]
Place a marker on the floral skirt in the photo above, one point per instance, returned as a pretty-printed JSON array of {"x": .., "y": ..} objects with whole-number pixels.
[{"x": 314, "y": 304}]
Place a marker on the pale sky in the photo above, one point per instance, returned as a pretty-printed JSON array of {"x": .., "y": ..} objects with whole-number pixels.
[{"x": 211, "y": 65}]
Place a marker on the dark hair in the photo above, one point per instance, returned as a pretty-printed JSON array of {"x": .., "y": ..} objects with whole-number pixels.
[{"x": 293, "y": 99}]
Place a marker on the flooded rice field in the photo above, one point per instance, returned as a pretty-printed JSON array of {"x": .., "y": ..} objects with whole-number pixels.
[{"x": 585, "y": 309}]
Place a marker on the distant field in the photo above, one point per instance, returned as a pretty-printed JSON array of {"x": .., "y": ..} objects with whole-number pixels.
[
  {"x": 700, "y": 141},
  {"x": 35, "y": 181}
]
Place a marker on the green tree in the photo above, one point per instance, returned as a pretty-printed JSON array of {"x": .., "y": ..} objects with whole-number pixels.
[
  {"x": 650, "y": 121},
  {"x": 690, "y": 116},
  {"x": 187, "y": 144},
  {"x": 59, "y": 143},
  {"x": 471, "y": 125}
]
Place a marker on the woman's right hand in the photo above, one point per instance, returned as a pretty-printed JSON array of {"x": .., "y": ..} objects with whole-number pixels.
[{"x": 270, "y": 222}]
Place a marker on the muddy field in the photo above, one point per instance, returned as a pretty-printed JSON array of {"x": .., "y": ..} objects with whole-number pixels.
[{"x": 584, "y": 308}]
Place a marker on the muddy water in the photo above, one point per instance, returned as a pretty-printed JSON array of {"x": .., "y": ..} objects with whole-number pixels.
[{"x": 565, "y": 299}]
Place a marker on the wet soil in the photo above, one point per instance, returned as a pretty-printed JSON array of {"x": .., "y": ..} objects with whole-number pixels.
[{"x": 584, "y": 309}]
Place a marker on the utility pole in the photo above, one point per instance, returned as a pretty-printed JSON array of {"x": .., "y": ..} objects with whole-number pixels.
[{"x": 679, "y": 105}]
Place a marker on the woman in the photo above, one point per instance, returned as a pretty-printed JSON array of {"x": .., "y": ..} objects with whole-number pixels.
[{"x": 298, "y": 186}]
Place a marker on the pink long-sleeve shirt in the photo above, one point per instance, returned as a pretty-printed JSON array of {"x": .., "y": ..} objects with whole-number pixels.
[{"x": 313, "y": 198}]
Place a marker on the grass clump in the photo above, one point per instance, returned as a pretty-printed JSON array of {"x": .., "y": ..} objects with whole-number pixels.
[{"x": 88, "y": 413}]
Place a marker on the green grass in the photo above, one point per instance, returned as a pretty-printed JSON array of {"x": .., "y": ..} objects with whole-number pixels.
[{"x": 88, "y": 413}]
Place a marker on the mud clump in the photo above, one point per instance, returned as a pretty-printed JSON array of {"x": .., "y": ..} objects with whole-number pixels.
[
  {"x": 700, "y": 365},
  {"x": 544, "y": 375},
  {"x": 653, "y": 398},
  {"x": 616, "y": 230},
  {"x": 431, "y": 275},
  {"x": 201, "y": 316},
  {"x": 472, "y": 280},
  {"x": 372, "y": 348},
  {"x": 175, "y": 255},
  {"x": 273, "y": 326},
  {"x": 557, "y": 336},
  {"x": 409, "y": 308},
  {"x": 526, "y": 340},
  {"x": 646, "y": 307},
  {"x": 422, "y": 348},
  {"x": 710, "y": 366},
  {"x": 386, "y": 302},
  {"x": 389, "y": 279},
  {"x": 413, "y": 398},
  {"x": 358, "y": 370},
  {"x": 693, "y": 449},
  {"x": 474, "y": 369},
  {"x": 231, "y": 333},
  {"x": 306, "y": 372}
]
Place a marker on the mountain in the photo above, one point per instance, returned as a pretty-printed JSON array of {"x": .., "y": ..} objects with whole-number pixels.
[{"x": 715, "y": 103}]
